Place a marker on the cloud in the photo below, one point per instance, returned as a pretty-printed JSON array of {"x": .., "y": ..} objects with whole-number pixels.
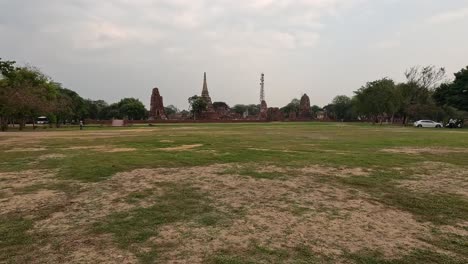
[{"x": 449, "y": 16}]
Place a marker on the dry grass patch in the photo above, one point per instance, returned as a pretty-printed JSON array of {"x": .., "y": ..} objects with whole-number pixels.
[
  {"x": 52, "y": 156},
  {"x": 341, "y": 171},
  {"x": 22, "y": 179},
  {"x": 272, "y": 213},
  {"x": 415, "y": 151},
  {"x": 181, "y": 148},
  {"x": 438, "y": 177},
  {"x": 101, "y": 148},
  {"x": 26, "y": 149},
  {"x": 283, "y": 214}
]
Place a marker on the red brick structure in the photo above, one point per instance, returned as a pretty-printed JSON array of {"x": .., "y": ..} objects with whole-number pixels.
[
  {"x": 210, "y": 113},
  {"x": 263, "y": 111},
  {"x": 157, "y": 106},
  {"x": 275, "y": 114},
  {"x": 304, "y": 108}
]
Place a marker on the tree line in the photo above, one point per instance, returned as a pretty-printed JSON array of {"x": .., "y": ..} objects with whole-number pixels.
[
  {"x": 426, "y": 94},
  {"x": 26, "y": 93}
]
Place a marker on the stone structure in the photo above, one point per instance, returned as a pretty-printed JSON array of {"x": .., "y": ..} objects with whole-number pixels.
[
  {"x": 304, "y": 108},
  {"x": 275, "y": 114},
  {"x": 206, "y": 95},
  {"x": 263, "y": 110},
  {"x": 157, "y": 106},
  {"x": 210, "y": 113}
]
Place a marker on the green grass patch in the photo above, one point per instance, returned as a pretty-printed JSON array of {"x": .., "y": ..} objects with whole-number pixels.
[
  {"x": 417, "y": 256},
  {"x": 179, "y": 203},
  {"x": 15, "y": 241},
  {"x": 440, "y": 209},
  {"x": 261, "y": 254}
]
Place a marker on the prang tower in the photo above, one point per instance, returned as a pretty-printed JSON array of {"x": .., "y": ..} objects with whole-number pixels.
[
  {"x": 157, "y": 106},
  {"x": 206, "y": 95}
]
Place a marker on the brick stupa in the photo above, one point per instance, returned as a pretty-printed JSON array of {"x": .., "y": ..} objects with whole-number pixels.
[{"x": 157, "y": 106}]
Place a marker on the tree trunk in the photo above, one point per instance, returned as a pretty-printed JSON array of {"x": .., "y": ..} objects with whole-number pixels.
[{"x": 22, "y": 124}]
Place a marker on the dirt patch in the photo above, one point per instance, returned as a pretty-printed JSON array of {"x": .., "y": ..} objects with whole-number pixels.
[
  {"x": 112, "y": 150},
  {"x": 341, "y": 171},
  {"x": 182, "y": 148},
  {"x": 284, "y": 214},
  {"x": 166, "y": 141},
  {"x": 415, "y": 151},
  {"x": 102, "y": 148},
  {"x": 52, "y": 156},
  {"x": 27, "y": 203},
  {"x": 439, "y": 177},
  {"x": 25, "y": 149},
  {"x": 26, "y": 178},
  {"x": 278, "y": 214}
]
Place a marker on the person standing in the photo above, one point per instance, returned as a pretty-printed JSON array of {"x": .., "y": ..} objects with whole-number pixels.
[{"x": 81, "y": 124}]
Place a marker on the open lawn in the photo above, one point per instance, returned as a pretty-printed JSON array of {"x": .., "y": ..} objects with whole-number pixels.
[{"x": 235, "y": 193}]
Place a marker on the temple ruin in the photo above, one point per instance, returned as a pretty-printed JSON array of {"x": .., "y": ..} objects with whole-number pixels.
[
  {"x": 157, "y": 106},
  {"x": 304, "y": 108},
  {"x": 210, "y": 113}
]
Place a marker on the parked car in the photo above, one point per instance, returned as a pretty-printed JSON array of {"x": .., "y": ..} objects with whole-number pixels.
[
  {"x": 428, "y": 123},
  {"x": 42, "y": 120}
]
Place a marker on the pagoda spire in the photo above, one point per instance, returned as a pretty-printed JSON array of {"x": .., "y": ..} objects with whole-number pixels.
[
  {"x": 205, "y": 92},
  {"x": 206, "y": 95}
]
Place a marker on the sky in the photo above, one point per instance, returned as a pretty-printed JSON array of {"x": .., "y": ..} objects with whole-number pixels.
[{"x": 111, "y": 49}]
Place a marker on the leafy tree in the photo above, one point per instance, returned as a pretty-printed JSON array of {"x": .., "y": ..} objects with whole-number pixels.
[
  {"x": 218, "y": 105},
  {"x": 131, "y": 108},
  {"x": 25, "y": 93},
  {"x": 239, "y": 109},
  {"x": 171, "y": 110},
  {"x": 456, "y": 93},
  {"x": 197, "y": 105},
  {"x": 341, "y": 108},
  {"x": 292, "y": 107},
  {"x": 378, "y": 99},
  {"x": 95, "y": 109},
  {"x": 314, "y": 110}
]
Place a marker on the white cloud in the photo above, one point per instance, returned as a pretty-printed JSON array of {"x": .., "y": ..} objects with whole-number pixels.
[{"x": 449, "y": 16}]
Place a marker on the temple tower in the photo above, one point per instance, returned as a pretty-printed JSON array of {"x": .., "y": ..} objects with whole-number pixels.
[
  {"x": 206, "y": 95},
  {"x": 304, "y": 108},
  {"x": 156, "y": 106}
]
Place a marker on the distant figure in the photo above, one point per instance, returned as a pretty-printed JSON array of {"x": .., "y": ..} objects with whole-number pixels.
[{"x": 81, "y": 125}]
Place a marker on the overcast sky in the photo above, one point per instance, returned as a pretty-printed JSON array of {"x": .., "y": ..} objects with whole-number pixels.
[{"x": 110, "y": 49}]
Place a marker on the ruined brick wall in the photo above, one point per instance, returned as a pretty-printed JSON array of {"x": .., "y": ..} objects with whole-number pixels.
[{"x": 275, "y": 114}]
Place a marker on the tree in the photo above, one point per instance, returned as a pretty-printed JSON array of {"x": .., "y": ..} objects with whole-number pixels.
[
  {"x": 378, "y": 99},
  {"x": 342, "y": 108},
  {"x": 95, "y": 109},
  {"x": 197, "y": 105},
  {"x": 428, "y": 77},
  {"x": 239, "y": 109},
  {"x": 456, "y": 93},
  {"x": 25, "y": 93},
  {"x": 171, "y": 110},
  {"x": 132, "y": 108},
  {"x": 292, "y": 107},
  {"x": 218, "y": 105},
  {"x": 314, "y": 110}
]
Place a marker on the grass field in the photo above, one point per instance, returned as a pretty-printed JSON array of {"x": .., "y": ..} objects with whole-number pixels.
[{"x": 235, "y": 193}]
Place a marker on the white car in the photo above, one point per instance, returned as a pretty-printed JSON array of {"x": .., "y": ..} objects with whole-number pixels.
[{"x": 427, "y": 123}]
